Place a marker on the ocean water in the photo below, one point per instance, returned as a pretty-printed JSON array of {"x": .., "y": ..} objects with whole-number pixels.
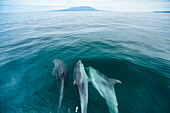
[{"x": 131, "y": 47}]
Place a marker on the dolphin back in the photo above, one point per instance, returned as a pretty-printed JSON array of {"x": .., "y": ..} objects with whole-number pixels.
[
  {"x": 60, "y": 71},
  {"x": 81, "y": 81},
  {"x": 105, "y": 87}
]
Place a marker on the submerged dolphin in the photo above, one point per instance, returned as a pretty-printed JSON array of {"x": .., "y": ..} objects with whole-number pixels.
[
  {"x": 81, "y": 81},
  {"x": 60, "y": 71},
  {"x": 105, "y": 87}
]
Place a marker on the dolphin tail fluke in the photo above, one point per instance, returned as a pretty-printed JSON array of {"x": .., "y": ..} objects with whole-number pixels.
[
  {"x": 61, "y": 97},
  {"x": 59, "y": 110},
  {"x": 115, "y": 81},
  {"x": 60, "y": 103}
]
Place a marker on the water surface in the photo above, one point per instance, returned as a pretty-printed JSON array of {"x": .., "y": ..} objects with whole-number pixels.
[{"x": 131, "y": 47}]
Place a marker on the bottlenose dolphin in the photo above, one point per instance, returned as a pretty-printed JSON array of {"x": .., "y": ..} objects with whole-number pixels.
[
  {"x": 105, "y": 87},
  {"x": 81, "y": 81},
  {"x": 60, "y": 71}
]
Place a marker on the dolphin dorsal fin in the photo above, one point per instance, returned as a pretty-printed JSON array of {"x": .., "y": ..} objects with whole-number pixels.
[{"x": 114, "y": 81}]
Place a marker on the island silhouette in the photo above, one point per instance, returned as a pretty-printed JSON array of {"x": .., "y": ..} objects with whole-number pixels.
[
  {"x": 161, "y": 11},
  {"x": 79, "y": 8}
]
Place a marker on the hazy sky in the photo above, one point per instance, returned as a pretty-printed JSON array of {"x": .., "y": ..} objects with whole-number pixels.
[{"x": 111, "y": 5}]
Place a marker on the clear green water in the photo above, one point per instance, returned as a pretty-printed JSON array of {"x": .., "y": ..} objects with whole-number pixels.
[{"x": 131, "y": 47}]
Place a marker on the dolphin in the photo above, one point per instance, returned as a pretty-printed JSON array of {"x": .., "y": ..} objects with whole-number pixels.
[
  {"x": 81, "y": 81},
  {"x": 105, "y": 87},
  {"x": 60, "y": 71}
]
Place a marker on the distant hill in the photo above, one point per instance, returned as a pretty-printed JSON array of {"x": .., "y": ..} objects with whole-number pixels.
[
  {"x": 80, "y": 8},
  {"x": 161, "y": 11}
]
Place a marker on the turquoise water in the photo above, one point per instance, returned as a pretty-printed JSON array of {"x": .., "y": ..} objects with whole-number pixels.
[{"x": 131, "y": 47}]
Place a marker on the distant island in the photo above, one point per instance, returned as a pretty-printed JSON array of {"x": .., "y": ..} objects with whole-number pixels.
[
  {"x": 80, "y": 8},
  {"x": 161, "y": 11}
]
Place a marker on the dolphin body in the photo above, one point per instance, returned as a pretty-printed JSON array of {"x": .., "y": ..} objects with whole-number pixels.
[
  {"x": 105, "y": 87},
  {"x": 81, "y": 81},
  {"x": 60, "y": 71}
]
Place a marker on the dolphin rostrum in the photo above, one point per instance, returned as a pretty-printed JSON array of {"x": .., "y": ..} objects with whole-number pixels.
[
  {"x": 81, "y": 81},
  {"x": 60, "y": 71},
  {"x": 105, "y": 87}
]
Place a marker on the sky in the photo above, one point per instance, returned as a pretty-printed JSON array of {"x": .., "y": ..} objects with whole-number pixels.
[{"x": 7, "y": 6}]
